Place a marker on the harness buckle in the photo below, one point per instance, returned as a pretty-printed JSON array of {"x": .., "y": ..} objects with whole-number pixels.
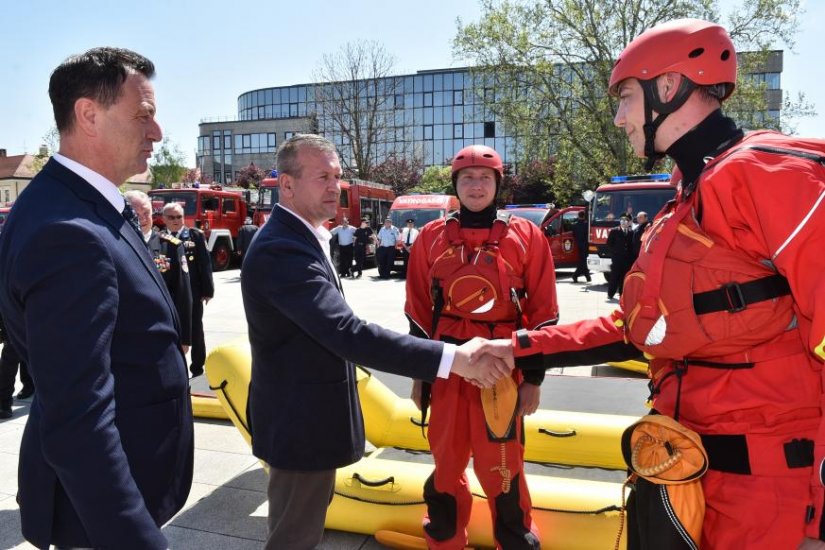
[{"x": 735, "y": 297}]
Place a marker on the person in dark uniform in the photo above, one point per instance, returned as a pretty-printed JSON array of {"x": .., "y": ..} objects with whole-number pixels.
[
  {"x": 245, "y": 235},
  {"x": 580, "y": 236},
  {"x": 620, "y": 245},
  {"x": 200, "y": 277},
  {"x": 9, "y": 363},
  {"x": 641, "y": 224},
  {"x": 364, "y": 235},
  {"x": 170, "y": 259}
]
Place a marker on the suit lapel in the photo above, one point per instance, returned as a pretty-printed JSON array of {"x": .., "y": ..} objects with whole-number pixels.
[
  {"x": 298, "y": 227},
  {"x": 106, "y": 212}
]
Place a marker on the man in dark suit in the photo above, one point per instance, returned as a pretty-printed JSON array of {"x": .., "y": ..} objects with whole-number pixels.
[
  {"x": 245, "y": 235},
  {"x": 620, "y": 246},
  {"x": 106, "y": 455},
  {"x": 200, "y": 277},
  {"x": 580, "y": 235},
  {"x": 305, "y": 416},
  {"x": 170, "y": 259}
]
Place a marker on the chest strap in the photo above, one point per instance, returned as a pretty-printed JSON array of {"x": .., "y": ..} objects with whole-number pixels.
[{"x": 735, "y": 297}]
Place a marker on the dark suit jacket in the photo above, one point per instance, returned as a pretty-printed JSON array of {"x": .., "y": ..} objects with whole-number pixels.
[
  {"x": 106, "y": 455},
  {"x": 200, "y": 263},
  {"x": 303, "y": 403},
  {"x": 171, "y": 259}
]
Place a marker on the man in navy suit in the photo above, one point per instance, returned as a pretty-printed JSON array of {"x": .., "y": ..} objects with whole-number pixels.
[
  {"x": 305, "y": 416},
  {"x": 106, "y": 455}
]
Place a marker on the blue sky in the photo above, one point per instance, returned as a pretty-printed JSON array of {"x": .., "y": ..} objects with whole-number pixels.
[{"x": 208, "y": 52}]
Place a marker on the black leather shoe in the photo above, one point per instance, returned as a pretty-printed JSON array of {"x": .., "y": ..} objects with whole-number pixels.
[
  {"x": 5, "y": 413},
  {"x": 25, "y": 393},
  {"x": 196, "y": 372}
]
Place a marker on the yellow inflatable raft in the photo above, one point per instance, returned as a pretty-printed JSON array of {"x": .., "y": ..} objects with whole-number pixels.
[
  {"x": 207, "y": 406},
  {"x": 631, "y": 365},
  {"x": 555, "y": 437},
  {"x": 377, "y": 494}
]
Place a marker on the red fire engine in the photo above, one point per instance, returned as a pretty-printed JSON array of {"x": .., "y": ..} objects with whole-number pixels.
[{"x": 623, "y": 195}]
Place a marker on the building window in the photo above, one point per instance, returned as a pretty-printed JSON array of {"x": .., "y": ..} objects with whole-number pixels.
[
  {"x": 458, "y": 131},
  {"x": 428, "y": 99},
  {"x": 288, "y": 135},
  {"x": 227, "y": 140},
  {"x": 458, "y": 97},
  {"x": 428, "y": 131},
  {"x": 399, "y": 101},
  {"x": 489, "y": 129}
]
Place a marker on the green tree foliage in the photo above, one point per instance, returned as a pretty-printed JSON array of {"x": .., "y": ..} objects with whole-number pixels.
[
  {"x": 399, "y": 172},
  {"x": 549, "y": 62},
  {"x": 167, "y": 165},
  {"x": 250, "y": 176},
  {"x": 436, "y": 179}
]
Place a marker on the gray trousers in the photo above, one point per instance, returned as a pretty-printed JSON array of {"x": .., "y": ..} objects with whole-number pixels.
[{"x": 298, "y": 502}]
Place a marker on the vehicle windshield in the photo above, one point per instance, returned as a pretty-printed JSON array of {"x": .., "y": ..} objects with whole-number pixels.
[
  {"x": 187, "y": 199},
  {"x": 422, "y": 216},
  {"x": 267, "y": 197},
  {"x": 609, "y": 205},
  {"x": 534, "y": 215}
]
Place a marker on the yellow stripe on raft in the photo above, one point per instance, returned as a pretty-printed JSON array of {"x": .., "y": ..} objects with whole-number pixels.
[
  {"x": 631, "y": 365},
  {"x": 570, "y": 514},
  {"x": 207, "y": 406}
]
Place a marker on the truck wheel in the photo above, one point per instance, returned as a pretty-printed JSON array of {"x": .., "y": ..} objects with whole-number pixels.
[{"x": 220, "y": 257}]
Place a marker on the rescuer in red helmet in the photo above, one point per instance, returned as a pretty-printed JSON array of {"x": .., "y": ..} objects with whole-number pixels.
[
  {"x": 477, "y": 273},
  {"x": 726, "y": 298}
]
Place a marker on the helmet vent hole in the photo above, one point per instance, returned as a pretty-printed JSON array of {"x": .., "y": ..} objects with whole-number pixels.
[
  {"x": 696, "y": 53},
  {"x": 725, "y": 55}
]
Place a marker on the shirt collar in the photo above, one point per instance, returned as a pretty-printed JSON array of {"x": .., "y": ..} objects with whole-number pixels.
[
  {"x": 103, "y": 186},
  {"x": 321, "y": 233}
]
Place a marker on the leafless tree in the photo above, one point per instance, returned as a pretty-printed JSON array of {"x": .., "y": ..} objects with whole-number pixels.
[{"x": 355, "y": 101}]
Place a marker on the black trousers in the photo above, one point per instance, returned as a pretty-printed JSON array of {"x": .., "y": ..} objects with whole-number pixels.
[
  {"x": 198, "y": 342},
  {"x": 581, "y": 266},
  {"x": 618, "y": 269},
  {"x": 386, "y": 257},
  {"x": 360, "y": 258},
  {"x": 9, "y": 363},
  {"x": 344, "y": 259}
]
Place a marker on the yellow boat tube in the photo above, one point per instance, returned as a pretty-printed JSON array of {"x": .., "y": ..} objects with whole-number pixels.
[
  {"x": 377, "y": 494},
  {"x": 207, "y": 406},
  {"x": 631, "y": 365},
  {"x": 556, "y": 437}
]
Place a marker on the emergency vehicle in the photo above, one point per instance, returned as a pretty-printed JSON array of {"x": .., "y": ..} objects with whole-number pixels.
[
  {"x": 623, "y": 195},
  {"x": 421, "y": 208},
  {"x": 359, "y": 199},
  {"x": 217, "y": 211},
  {"x": 557, "y": 226},
  {"x": 4, "y": 213}
]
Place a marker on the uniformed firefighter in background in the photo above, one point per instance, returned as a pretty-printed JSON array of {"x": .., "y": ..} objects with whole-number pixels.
[
  {"x": 200, "y": 277},
  {"x": 478, "y": 274},
  {"x": 727, "y": 297}
]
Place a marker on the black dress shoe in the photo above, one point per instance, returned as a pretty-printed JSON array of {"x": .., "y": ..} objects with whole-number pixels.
[
  {"x": 5, "y": 413},
  {"x": 196, "y": 372},
  {"x": 25, "y": 393}
]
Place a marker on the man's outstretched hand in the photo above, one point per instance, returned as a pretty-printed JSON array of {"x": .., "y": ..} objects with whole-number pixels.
[{"x": 483, "y": 364}]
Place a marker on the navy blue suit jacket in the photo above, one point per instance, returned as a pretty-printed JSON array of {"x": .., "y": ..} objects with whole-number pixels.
[
  {"x": 303, "y": 402},
  {"x": 106, "y": 455}
]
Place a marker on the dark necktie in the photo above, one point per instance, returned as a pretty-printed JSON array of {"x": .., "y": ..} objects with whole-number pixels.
[
  {"x": 409, "y": 237},
  {"x": 130, "y": 216}
]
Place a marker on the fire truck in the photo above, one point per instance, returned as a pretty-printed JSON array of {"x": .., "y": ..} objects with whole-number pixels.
[
  {"x": 359, "y": 199},
  {"x": 623, "y": 195},
  {"x": 557, "y": 226},
  {"x": 421, "y": 208},
  {"x": 218, "y": 211}
]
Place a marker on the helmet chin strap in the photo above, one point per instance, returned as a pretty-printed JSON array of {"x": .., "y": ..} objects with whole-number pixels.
[{"x": 652, "y": 102}]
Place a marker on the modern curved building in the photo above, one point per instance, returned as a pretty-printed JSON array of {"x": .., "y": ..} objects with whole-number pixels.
[{"x": 431, "y": 114}]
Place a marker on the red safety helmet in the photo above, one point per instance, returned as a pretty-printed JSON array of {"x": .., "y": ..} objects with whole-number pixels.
[
  {"x": 478, "y": 156},
  {"x": 700, "y": 50}
]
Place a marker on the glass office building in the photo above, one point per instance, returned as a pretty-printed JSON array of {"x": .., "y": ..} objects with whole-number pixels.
[{"x": 431, "y": 114}]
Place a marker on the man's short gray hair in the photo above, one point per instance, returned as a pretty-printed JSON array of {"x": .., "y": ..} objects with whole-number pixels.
[
  {"x": 169, "y": 206},
  {"x": 286, "y": 158},
  {"x": 136, "y": 195}
]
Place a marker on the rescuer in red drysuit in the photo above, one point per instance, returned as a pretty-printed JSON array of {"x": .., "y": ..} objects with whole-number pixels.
[
  {"x": 748, "y": 379},
  {"x": 478, "y": 274}
]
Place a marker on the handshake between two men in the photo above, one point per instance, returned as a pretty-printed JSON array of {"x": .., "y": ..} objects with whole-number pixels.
[{"x": 483, "y": 362}]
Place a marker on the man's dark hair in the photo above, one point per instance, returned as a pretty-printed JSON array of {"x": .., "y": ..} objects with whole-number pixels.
[{"x": 97, "y": 74}]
